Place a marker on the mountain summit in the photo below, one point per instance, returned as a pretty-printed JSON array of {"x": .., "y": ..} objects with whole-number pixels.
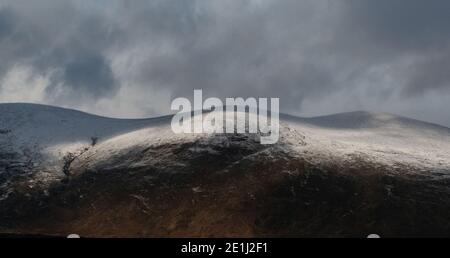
[{"x": 351, "y": 174}]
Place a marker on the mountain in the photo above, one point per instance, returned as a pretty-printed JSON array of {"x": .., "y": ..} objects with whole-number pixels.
[{"x": 351, "y": 174}]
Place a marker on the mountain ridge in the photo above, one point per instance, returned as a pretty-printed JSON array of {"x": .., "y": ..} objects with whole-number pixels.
[
  {"x": 360, "y": 113},
  {"x": 340, "y": 175}
]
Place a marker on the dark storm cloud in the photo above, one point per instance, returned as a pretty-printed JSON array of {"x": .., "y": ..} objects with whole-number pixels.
[
  {"x": 431, "y": 73},
  {"x": 238, "y": 49},
  {"x": 6, "y": 23},
  {"x": 403, "y": 24},
  {"x": 52, "y": 38},
  {"x": 86, "y": 74},
  {"x": 6, "y": 28},
  {"x": 318, "y": 56},
  {"x": 406, "y": 28}
]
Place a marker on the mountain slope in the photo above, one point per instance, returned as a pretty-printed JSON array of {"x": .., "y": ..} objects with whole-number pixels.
[
  {"x": 350, "y": 174},
  {"x": 37, "y": 138}
]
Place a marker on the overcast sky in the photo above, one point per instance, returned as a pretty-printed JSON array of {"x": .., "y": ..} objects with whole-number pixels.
[{"x": 130, "y": 58}]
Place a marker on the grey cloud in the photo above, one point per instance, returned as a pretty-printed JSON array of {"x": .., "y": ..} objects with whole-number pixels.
[
  {"x": 6, "y": 23},
  {"x": 362, "y": 54},
  {"x": 88, "y": 75},
  {"x": 59, "y": 41},
  {"x": 242, "y": 51},
  {"x": 404, "y": 29},
  {"x": 432, "y": 73},
  {"x": 405, "y": 24}
]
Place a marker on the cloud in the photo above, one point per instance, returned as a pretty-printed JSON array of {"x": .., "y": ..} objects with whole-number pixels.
[
  {"x": 414, "y": 30},
  {"x": 84, "y": 77},
  {"x": 407, "y": 25},
  {"x": 53, "y": 42},
  {"x": 6, "y": 23},
  {"x": 130, "y": 58}
]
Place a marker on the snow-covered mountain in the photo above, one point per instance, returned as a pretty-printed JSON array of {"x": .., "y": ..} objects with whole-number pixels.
[{"x": 351, "y": 174}]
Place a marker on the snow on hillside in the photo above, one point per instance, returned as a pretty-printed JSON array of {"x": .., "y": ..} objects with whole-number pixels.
[
  {"x": 46, "y": 125},
  {"x": 40, "y": 138},
  {"x": 64, "y": 171},
  {"x": 378, "y": 137}
]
